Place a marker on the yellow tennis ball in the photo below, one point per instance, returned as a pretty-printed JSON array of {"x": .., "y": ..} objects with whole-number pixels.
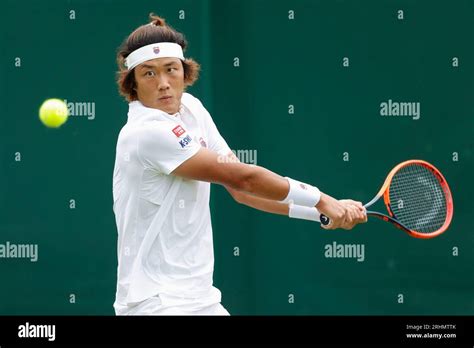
[{"x": 53, "y": 113}]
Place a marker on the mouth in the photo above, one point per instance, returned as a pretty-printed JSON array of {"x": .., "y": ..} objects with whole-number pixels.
[{"x": 166, "y": 97}]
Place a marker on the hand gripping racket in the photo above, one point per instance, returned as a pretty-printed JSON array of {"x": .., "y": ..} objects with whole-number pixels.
[{"x": 417, "y": 198}]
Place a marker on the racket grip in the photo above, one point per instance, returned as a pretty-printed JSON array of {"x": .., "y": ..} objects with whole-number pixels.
[{"x": 324, "y": 220}]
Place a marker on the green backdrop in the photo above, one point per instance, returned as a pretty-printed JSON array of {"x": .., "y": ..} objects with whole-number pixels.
[{"x": 300, "y": 84}]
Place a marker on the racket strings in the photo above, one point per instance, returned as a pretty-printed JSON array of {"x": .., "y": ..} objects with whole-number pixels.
[{"x": 417, "y": 199}]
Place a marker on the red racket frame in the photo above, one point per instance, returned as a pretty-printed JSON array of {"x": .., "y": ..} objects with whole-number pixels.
[{"x": 385, "y": 192}]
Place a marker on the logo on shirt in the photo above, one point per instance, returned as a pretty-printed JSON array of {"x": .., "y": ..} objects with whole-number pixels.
[
  {"x": 185, "y": 141},
  {"x": 203, "y": 143},
  {"x": 178, "y": 131},
  {"x": 303, "y": 186}
]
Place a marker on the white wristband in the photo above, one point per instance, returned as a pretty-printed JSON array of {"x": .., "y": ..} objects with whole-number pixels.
[
  {"x": 302, "y": 194},
  {"x": 305, "y": 213}
]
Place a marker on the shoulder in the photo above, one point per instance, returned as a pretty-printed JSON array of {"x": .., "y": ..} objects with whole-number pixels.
[
  {"x": 191, "y": 102},
  {"x": 158, "y": 132},
  {"x": 155, "y": 126},
  {"x": 196, "y": 107},
  {"x": 188, "y": 97}
]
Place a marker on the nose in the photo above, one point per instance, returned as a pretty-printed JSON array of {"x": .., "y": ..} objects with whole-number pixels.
[{"x": 163, "y": 83}]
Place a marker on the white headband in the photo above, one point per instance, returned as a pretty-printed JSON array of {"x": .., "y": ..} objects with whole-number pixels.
[{"x": 156, "y": 50}]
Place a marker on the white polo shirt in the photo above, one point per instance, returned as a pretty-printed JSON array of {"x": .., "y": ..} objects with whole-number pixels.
[{"x": 165, "y": 243}]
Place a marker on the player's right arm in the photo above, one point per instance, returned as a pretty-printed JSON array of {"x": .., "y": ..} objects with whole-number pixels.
[{"x": 208, "y": 166}]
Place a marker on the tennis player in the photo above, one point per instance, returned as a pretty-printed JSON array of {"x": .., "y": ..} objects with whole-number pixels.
[{"x": 167, "y": 155}]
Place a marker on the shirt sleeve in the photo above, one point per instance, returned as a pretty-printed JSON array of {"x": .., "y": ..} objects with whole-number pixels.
[
  {"x": 216, "y": 142},
  {"x": 164, "y": 146}
]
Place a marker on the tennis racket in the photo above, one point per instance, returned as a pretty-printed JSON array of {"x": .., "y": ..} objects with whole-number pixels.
[{"x": 417, "y": 198}]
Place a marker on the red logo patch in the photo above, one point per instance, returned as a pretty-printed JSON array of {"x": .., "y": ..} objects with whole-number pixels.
[{"x": 178, "y": 131}]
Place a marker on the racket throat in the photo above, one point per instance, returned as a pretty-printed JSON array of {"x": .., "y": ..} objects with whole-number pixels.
[{"x": 388, "y": 218}]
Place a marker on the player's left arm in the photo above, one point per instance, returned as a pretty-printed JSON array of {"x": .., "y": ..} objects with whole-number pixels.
[
  {"x": 219, "y": 145},
  {"x": 276, "y": 207},
  {"x": 266, "y": 205},
  {"x": 262, "y": 204}
]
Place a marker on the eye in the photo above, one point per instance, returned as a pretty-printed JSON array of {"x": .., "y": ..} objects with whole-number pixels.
[
  {"x": 172, "y": 69},
  {"x": 149, "y": 73}
]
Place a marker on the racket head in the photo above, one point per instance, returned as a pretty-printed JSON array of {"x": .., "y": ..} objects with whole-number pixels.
[{"x": 418, "y": 199}]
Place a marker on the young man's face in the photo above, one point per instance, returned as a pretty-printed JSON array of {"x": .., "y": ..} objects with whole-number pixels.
[{"x": 160, "y": 84}]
